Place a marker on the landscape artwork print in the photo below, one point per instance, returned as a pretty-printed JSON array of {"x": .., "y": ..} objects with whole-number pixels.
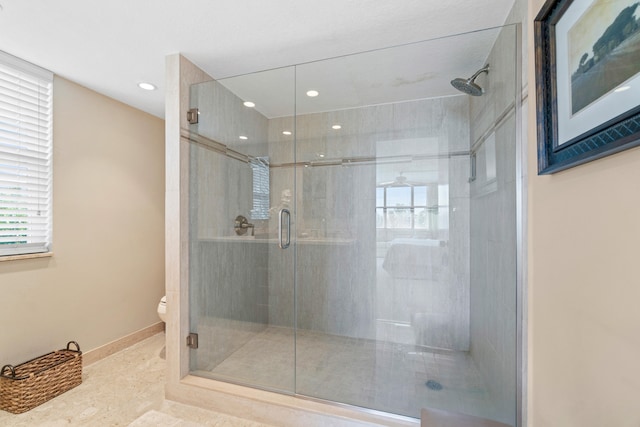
[{"x": 604, "y": 50}]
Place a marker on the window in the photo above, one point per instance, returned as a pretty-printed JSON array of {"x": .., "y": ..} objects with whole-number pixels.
[
  {"x": 25, "y": 157},
  {"x": 412, "y": 207},
  {"x": 260, "y": 169}
]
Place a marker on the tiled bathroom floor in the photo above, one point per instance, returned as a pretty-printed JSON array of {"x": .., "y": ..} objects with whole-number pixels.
[
  {"x": 126, "y": 388},
  {"x": 373, "y": 374}
]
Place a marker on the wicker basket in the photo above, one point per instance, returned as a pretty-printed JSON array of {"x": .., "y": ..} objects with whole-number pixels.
[{"x": 32, "y": 383}]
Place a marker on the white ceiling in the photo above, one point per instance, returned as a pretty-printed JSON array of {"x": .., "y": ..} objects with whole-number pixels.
[
  {"x": 110, "y": 46},
  {"x": 407, "y": 72}
]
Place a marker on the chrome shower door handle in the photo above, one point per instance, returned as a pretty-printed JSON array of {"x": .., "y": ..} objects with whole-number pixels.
[{"x": 281, "y": 243}]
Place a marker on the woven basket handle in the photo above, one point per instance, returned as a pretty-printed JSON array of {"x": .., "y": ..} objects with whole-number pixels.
[
  {"x": 74, "y": 343},
  {"x": 11, "y": 369}
]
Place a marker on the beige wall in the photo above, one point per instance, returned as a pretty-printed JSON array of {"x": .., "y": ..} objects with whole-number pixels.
[
  {"x": 107, "y": 273},
  {"x": 584, "y": 288}
]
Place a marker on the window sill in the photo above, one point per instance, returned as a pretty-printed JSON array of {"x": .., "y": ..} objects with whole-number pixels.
[{"x": 26, "y": 256}]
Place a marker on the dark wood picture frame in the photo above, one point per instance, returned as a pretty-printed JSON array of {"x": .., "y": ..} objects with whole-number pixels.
[{"x": 610, "y": 136}]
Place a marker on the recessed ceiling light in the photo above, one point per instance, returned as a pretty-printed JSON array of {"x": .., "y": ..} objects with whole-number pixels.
[
  {"x": 321, "y": 156},
  {"x": 336, "y": 127},
  {"x": 312, "y": 93},
  {"x": 286, "y": 132},
  {"x": 622, "y": 88},
  {"x": 243, "y": 137},
  {"x": 249, "y": 104},
  {"x": 146, "y": 86}
]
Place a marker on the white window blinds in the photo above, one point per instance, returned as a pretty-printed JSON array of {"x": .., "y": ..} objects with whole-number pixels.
[
  {"x": 25, "y": 157},
  {"x": 260, "y": 169}
]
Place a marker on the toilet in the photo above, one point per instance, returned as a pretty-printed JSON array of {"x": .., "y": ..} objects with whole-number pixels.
[{"x": 162, "y": 309}]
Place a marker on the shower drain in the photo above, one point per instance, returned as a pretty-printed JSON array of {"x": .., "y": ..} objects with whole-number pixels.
[{"x": 433, "y": 385}]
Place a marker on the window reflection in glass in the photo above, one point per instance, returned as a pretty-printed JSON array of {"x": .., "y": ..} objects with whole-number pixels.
[{"x": 408, "y": 207}]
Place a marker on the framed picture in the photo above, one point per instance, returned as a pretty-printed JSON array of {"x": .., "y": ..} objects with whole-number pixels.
[{"x": 587, "y": 55}]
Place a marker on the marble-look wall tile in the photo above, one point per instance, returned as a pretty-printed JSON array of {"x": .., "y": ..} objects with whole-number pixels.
[
  {"x": 456, "y": 124},
  {"x": 215, "y": 202},
  {"x": 499, "y": 85},
  {"x": 336, "y": 280},
  {"x": 459, "y": 246},
  {"x": 459, "y": 270},
  {"x": 337, "y": 285},
  {"x": 493, "y": 228},
  {"x": 223, "y": 118},
  {"x": 228, "y": 278}
]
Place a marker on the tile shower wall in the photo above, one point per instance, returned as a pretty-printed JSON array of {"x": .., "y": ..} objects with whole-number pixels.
[
  {"x": 334, "y": 228},
  {"x": 224, "y": 185},
  {"x": 341, "y": 288},
  {"x": 228, "y": 299},
  {"x": 493, "y": 221}
]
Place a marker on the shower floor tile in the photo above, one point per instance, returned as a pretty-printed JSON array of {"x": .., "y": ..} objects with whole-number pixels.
[{"x": 379, "y": 375}]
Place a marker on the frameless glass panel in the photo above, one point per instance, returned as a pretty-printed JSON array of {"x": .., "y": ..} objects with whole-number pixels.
[
  {"x": 399, "y": 218},
  {"x": 399, "y": 197},
  {"x": 398, "y": 291},
  {"x": 241, "y": 281},
  {"x": 420, "y": 196},
  {"x": 380, "y": 197},
  {"x": 493, "y": 239},
  {"x": 385, "y": 230},
  {"x": 421, "y": 218}
]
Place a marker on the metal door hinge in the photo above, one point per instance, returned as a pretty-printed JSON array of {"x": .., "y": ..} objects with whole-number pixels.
[
  {"x": 192, "y": 340},
  {"x": 192, "y": 116}
]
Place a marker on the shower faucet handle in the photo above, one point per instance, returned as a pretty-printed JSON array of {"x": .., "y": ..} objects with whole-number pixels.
[{"x": 241, "y": 225}]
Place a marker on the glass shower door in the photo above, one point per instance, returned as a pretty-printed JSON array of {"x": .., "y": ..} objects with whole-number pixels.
[
  {"x": 395, "y": 312},
  {"x": 373, "y": 297},
  {"x": 352, "y": 229},
  {"x": 241, "y": 224}
]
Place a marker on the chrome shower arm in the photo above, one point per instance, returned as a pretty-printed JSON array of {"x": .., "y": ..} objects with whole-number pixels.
[{"x": 484, "y": 69}]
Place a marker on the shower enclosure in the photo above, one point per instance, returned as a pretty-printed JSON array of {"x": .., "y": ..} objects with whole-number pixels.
[{"x": 352, "y": 228}]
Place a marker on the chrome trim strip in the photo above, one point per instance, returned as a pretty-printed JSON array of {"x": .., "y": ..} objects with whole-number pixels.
[{"x": 521, "y": 240}]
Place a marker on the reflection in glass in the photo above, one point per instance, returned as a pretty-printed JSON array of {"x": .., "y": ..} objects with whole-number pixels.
[{"x": 260, "y": 170}]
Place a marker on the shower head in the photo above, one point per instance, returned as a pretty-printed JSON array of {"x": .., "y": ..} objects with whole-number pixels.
[{"x": 469, "y": 86}]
